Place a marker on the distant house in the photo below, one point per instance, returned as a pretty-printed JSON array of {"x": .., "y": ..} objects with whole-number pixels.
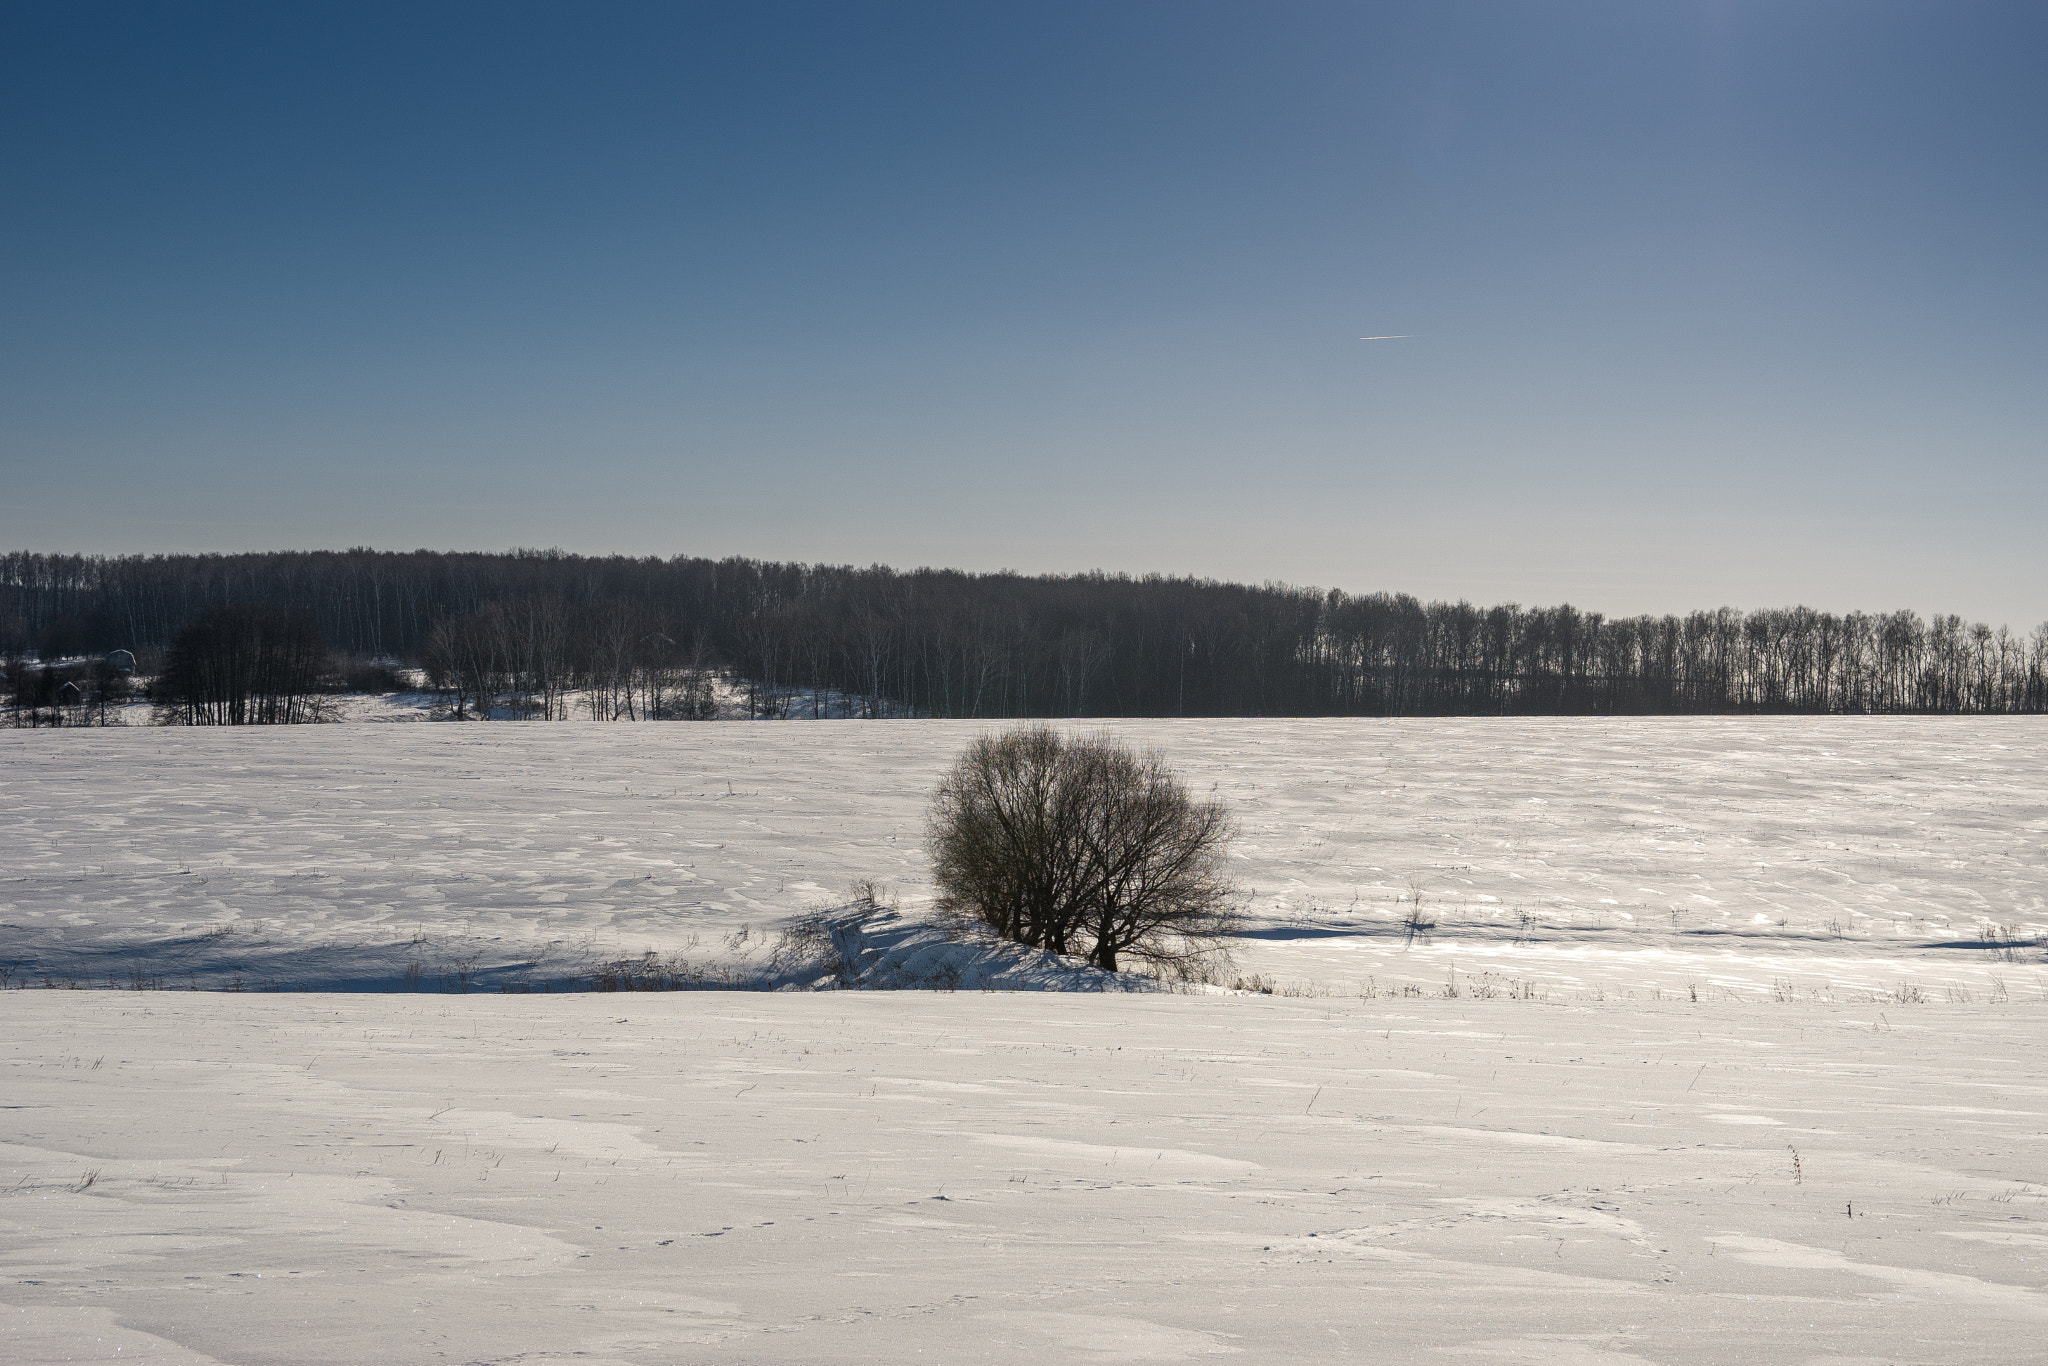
[
  {"x": 121, "y": 662},
  {"x": 70, "y": 695}
]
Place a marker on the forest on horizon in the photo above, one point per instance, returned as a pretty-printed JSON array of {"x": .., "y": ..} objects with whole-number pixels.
[{"x": 951, "y": 643}]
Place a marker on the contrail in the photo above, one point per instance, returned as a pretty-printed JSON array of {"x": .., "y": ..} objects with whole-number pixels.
[{"x": 1397, "y": 336}]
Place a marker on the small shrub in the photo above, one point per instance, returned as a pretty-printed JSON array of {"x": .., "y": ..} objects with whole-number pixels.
[
  {"x": 373, "y": 676},
  {"x": 2006, "y": 942},
  {"x": 1421, "y": 923}
]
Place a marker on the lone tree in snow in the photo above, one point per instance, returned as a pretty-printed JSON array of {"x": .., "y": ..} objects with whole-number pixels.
[{"x": 1082, "y": 846}]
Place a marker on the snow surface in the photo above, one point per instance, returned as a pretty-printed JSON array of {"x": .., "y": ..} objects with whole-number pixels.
[
  {"x": 1563, "y": 857},
  {"x": 1742, "y": 1065},
  {"x": 998, "y": 1177}
]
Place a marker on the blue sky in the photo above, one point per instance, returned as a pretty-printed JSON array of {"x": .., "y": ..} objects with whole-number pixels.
[{"x": 1710, "y": 302}]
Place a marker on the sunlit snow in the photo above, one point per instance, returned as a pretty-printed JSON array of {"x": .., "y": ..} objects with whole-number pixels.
[{"x": 1724, "y": 1047}]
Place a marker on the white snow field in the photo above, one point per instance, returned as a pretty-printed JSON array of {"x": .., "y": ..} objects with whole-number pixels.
[
  {"x": 1725, "y": 1047},
  {"x": 1557, "y": 857},
  {"x": 869, "y": 1177}
]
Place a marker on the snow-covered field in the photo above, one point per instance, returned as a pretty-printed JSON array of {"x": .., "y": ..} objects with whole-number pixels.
[
  {"x": 845, "y": 1177},
  {"x": 1742, "y": 1064},
  {"x": 1556, "y": 857}
]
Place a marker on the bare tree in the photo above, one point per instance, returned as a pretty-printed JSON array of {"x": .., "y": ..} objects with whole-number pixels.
[
  {"x": 1004, "y": 838},
  {"x": 236, "y": 666},
  {"x": 1157, "y": 889},
  {"x": 1082, "y": 846},
  {"x": 678, "y": 692},
  {"x": 613, "y": 650}
]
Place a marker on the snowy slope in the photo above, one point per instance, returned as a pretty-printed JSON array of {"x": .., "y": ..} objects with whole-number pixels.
[{"x": 1563, "y": 857}]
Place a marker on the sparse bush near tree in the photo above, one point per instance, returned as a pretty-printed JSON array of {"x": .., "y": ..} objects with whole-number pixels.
[
  {"x": 373, "y": 676},
  {"x": 1082, "y": 846}
]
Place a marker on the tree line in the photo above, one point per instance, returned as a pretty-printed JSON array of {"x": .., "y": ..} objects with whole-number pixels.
[{"x": 644, "y": 634}]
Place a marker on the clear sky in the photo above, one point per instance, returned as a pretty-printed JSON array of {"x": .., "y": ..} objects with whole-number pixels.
[{"x": 1707, "y": 303}]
